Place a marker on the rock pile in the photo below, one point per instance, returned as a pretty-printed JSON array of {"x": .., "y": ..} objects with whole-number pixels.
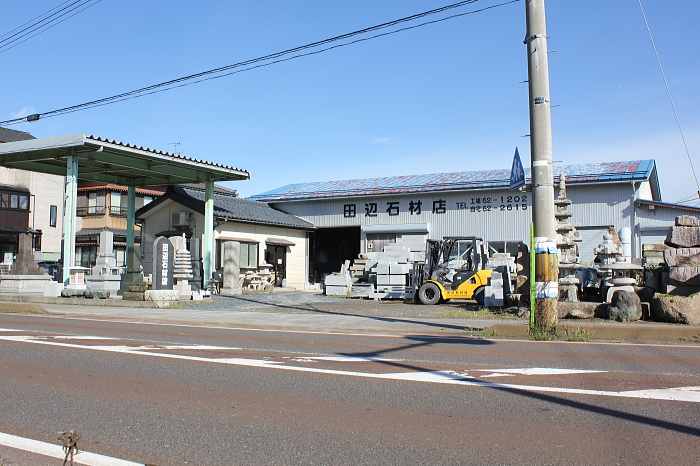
[
  {"x": 679, "y": 302},
  {"x": 683, "y": 262}
]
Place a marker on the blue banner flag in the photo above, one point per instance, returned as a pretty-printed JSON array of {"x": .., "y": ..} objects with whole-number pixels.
[{"x": 517, "y": 174}]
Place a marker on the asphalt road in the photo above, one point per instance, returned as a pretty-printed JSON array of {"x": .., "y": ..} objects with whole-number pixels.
[{"x": 188, "y": 394}]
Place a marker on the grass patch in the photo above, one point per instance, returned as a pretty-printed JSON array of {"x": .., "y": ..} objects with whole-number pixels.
[
  {"x": 480, "y": 313},
  {"x": 578, "y": 333},
  {"x": 543, "y": 335},
  {"x": 5, "y": 311},
  {"x": 175, "y": 306}
]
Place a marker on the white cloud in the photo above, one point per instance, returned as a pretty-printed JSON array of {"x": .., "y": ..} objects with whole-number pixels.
[
  {"x": 382, "y": 141},
  {"x": 26, "y": 110}
]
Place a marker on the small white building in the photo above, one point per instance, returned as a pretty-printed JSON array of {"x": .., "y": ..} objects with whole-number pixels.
[{"x": 269, "y": 238}]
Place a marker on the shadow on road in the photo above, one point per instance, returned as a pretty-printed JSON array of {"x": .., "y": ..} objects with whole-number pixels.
[
  {"x": 314, "y": 309},
  {"x": 650, "y": 421}
]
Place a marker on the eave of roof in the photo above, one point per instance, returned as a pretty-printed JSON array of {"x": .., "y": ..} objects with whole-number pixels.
[
  {"x": 668, "y": 205},
  {"x": 228, "y": 208},
  {"x": 114, "y": 162},
  {"x": 639, "y": 170}
]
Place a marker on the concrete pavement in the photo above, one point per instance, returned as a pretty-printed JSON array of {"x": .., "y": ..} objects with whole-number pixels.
[{"x": 344, "y": 316}]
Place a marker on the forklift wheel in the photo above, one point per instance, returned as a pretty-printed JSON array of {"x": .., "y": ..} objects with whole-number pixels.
[
  {"x": 479, "y": 296},
  {"x": 429, "y": 293}
]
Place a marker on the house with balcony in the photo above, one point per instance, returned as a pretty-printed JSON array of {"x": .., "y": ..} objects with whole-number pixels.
[
  {"x": 103, "y": 206},
  {"x": 30, "y": 203}
]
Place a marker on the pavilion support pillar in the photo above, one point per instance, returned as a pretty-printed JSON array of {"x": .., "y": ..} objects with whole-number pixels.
[
  {"x": 69, "y": 216},
  {"x": 208, "y": 237},
  {"x": 133, "y": 275}
]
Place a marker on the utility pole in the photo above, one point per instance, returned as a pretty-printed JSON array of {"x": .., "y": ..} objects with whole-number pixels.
[{"x": 546, "y": 258}]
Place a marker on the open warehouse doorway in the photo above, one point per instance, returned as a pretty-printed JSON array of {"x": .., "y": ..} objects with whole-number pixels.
[{"x": 329, "y": 248}]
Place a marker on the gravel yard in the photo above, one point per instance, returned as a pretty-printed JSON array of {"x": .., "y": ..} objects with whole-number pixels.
[{"x": 298, "y": 302}]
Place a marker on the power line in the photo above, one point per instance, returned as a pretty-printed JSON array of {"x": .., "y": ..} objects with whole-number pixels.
[
  {"x": 38, "y": 27},
  {"x": 255, "y": 63},
  {"x": 32, "y": 20},
  {"x": 670, "y": 98}
]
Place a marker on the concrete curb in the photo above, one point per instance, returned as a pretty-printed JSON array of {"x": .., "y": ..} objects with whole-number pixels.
[
  {"x": 641, "y": 331},
  {"x": 22, "y": 308}
]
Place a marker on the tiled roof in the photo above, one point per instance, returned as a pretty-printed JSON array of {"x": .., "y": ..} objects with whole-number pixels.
[
  {"x": 229, "y": 207},
  {"x": 581, "y": 173},
  {"x": 10, "y": 135},
  {"x": 160, "y": 152}
]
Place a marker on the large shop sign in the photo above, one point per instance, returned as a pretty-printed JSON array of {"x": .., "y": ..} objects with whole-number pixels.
[{"x": 486, "y": 204}]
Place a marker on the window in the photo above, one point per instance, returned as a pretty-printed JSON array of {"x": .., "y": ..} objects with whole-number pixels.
[
  {"x": 86, "y": 256},
  {"x": 10, "y": 200},
  {"x": 53, "y": 212},
  {"x": 249, "y": 255}
]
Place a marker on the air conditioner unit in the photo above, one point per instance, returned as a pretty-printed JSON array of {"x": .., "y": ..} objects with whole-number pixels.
[{"x": 180, "y": 219}]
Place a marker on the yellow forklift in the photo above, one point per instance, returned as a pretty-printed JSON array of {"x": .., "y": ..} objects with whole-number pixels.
[{"x": 454, "y": 268}]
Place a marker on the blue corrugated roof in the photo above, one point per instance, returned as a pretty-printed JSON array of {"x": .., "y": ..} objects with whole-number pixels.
[{"x": 637, "y": 170}]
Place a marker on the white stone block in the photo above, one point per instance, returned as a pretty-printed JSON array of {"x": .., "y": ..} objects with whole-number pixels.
[
  {"x": 399, "y": 269},
  {"x": 332, "y": 290},
  {"x": 382, "y": 268}
]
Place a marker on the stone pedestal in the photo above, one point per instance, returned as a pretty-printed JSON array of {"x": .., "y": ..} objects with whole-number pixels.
[{"x": 134, "y": 274}]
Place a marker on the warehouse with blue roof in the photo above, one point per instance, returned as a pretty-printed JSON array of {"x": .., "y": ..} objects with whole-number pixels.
[{"x": 362, "y": 215}]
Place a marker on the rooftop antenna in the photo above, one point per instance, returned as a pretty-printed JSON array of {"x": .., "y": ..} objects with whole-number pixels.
[{"x": 175, "y": 148}]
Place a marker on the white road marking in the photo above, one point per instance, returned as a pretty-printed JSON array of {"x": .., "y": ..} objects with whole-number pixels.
[
  {"x": 688, "y": 394},
  {"x": 533, "y": 371},
  {"x": 56, "y": 451}
]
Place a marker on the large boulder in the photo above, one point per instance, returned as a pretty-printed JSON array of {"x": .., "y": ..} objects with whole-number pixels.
[
  {"x": 625, "y": 307},
  {"x": 676, "y": 309}
]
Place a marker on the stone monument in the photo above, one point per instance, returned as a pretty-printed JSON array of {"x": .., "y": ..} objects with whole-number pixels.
[
  {"x": 24, "y": 263},
  {"x": 232, "y": 270},
  {"x": 106, "y": 276},
  {"x": 163, "y": 258}
]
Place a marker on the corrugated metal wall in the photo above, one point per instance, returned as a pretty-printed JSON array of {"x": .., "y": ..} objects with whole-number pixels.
[{"x": 495, "y": 215}]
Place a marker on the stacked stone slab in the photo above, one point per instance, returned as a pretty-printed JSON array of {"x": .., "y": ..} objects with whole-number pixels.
[
  {"x": 683, "y": 262},
  {"x": 182, "y": 271}
]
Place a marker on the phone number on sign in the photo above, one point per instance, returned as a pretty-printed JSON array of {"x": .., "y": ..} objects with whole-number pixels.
[{"x": 498, "y": 203}]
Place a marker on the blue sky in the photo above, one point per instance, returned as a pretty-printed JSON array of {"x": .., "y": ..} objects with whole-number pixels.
[{"x": 440, "y": 98}]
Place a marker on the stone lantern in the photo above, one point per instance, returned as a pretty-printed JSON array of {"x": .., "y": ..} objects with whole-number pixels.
[{"x": 567, "y": 237}]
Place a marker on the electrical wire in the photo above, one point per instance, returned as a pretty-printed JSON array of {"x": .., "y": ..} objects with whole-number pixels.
[
  {"x": 246, "y": 65},
  {"x": 670, "y": 98},
  {"x": 32, "y": 20},
  {"x": 37, "y": 27}
]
